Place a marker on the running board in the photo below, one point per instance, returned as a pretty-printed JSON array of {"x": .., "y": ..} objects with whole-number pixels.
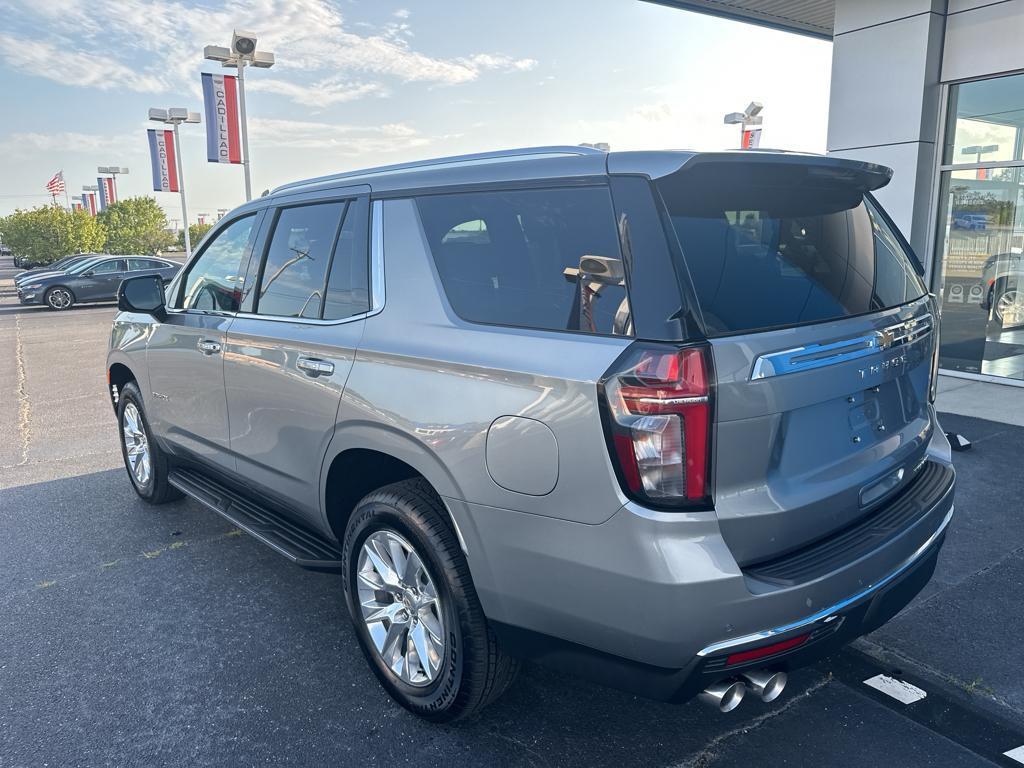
[{"x": 300, "y": 545}]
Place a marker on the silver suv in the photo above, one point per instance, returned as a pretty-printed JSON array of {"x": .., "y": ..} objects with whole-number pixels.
[{"x": 660, "y": 418}]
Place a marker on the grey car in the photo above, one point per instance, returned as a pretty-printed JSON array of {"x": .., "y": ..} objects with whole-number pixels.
[
  {"x": 663, "y": 419},
  {"x": 89, "y": 280},
  {"x": 61, "y": 265}
]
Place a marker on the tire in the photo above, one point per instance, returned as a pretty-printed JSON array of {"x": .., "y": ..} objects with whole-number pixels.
[
  {"x": 59, "y": 298},
  {"x": 471, "y": 670},
  {"x": 148, "y": 473}
]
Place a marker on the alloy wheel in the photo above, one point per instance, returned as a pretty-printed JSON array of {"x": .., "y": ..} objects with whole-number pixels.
[
  {"x": 136, "y": 444},
  {"x": 400, "y": 607},
  {"x": 59, "y": 298},
  {"x": 1010, "y": 308}
]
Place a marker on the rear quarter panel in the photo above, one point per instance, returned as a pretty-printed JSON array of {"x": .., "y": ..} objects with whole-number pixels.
[{"x": 427, "y": 385}]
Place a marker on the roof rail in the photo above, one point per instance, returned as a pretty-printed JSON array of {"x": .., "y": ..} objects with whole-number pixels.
[{"x": 511, "y": 154}]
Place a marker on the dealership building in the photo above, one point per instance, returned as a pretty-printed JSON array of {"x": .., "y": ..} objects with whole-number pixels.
[{"x": 934, "y": 89}]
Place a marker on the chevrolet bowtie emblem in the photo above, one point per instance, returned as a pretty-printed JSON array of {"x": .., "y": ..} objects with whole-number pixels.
[{"x": 885, "y": 338}]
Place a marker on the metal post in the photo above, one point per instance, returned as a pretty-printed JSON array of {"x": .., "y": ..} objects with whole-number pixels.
[
  {"x": 181, "y": 190},
  {"x": 245, "y": 129}
]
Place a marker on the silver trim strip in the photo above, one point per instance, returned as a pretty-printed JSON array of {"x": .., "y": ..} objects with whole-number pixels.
[
  {"x": 377, "y": 258},
  {"x": 832, "y": 609},
  {"x": 813, "y": 356}
]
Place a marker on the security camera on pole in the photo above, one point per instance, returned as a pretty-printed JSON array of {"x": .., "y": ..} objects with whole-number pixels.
[
  {"x": 241, "y": 53},
  {"x": 750, "y": 121},
  {"x": 165, "y": 152}
]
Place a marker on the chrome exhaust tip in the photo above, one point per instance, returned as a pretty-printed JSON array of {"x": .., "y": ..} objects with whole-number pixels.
[
  {"x": 725, "y": 695},
  {"x": 768, "y": 685}
]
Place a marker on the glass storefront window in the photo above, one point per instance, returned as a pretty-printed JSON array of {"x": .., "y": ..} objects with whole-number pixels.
[
  {"x": 981, "y": 229},
  {"x": 983, "y": 271},
  {"x": 985, "y": 121}
]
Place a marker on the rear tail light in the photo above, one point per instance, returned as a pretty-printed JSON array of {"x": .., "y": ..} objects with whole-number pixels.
[{"x": 657, "y": 402}]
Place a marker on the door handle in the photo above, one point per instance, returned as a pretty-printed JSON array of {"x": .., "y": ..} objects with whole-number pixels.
[
  {"x": 314, "y": 367},
  {"x": 208, "y": 347}
]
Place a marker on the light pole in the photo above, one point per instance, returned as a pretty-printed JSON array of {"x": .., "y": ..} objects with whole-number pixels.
[
  {"x": 749, "y": 121},
  {"x": 241, "y": 53},
  {"x": 112, "y": 171},
  {"x": 176, "y": 116}
]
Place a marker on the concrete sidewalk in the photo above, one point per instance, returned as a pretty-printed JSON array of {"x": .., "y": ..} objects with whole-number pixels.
[{"x": 981, "y": 399}]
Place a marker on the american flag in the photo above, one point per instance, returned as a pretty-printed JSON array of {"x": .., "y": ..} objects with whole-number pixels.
[{"x": 56, "y": 184}]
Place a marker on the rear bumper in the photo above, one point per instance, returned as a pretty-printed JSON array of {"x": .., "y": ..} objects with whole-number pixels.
[
  {"x": 825, "y": 633},
  {"x": 654, "y": 602}
]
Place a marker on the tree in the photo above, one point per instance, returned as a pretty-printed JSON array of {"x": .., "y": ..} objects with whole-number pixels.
[
  {"x": 45, "y": 234},
  {"x": 136, "y": 225},
  {"x": 195, "y": 234}
]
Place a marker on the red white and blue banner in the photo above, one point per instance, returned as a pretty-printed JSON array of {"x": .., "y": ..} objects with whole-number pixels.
[
  {"x": 89, "y": 202},
  {"x": 220, "y": 96},
  {"x": 163, "y": 156},
  {"x": 107, "y": 194},
  {"x": 75, "y": 205}
]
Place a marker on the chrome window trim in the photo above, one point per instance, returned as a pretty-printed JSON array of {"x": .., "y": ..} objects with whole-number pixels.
[
  {"x": 377, "y": 296},
  {"x": 376, "y": 284},
  {"x": 830, "y": 613}
]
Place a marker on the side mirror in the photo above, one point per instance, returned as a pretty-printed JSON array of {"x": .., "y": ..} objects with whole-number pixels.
[
  {"x": 89, "y": 273},
  {"x": 142, "y": 294}
]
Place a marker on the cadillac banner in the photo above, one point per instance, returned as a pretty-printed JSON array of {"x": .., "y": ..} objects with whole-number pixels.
[
  {"x": 220, "y": 95},
  {"x": 107, "y": 194},
  {"x": 162, "y": 154}
]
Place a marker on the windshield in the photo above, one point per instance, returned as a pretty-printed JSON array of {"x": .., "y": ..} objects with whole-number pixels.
[
  {"x": 82, "y": 266},
  {"x": 768, "y": 251}
]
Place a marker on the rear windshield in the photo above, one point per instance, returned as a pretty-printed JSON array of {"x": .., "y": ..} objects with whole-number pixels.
[{"x": 768, "y": 247}]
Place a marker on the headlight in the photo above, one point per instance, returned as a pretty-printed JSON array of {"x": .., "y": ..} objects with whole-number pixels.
[{"x": 32, "y": 287}]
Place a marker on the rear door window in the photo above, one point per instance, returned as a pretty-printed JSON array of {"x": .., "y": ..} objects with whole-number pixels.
[
  {"x": 764, "y": 251},
  {"x": 348, "y": 286},
  {"x": 293, "y": 277},
  {"x": 542, "y": 258}
]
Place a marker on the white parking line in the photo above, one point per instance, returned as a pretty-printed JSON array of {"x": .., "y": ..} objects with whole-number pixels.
[
  {"x": 899, "y": 690},
  {"x": 1016, "y": 754}
]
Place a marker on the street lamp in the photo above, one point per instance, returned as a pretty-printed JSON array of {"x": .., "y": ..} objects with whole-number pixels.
[
  {"x": 241, "y": 53},
  {"x": 176, "y": 116},
  {"x": 749, "y": 121},
  {"x": 113, "y": 171}
]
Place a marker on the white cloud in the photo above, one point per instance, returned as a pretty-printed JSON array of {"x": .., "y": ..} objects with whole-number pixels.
[
  {"x": 402, "y": 13},
  {"x": 63, "y": 142},
  {"x": 322, "y": 93},
  {"x": 40, "y": 57},
  {"x": 341, "y": 139},
  {"x": 156, "y": 46}
]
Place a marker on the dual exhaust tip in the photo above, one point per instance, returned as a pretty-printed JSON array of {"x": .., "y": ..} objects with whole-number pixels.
[{"x": 726, "y": 695}]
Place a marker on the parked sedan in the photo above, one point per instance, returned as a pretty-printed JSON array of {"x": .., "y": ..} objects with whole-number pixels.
[
  {"x": 95, "y": 279},
  {"x": 61, "y": 265}
]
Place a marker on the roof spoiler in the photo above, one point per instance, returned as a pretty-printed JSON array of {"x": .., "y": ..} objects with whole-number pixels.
[{"x": 861, "y": 176}]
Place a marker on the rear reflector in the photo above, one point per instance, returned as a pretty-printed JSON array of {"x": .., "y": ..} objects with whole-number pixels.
[
  {"x": 658, "y": 410},
  {"x": 766, "y": 650}
]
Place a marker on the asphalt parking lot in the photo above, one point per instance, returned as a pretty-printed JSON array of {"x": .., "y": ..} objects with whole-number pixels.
[{"x": 139, "y": 636}]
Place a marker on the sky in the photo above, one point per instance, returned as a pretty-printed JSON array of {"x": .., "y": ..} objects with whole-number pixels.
[{"x": 359, "y": 83}]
